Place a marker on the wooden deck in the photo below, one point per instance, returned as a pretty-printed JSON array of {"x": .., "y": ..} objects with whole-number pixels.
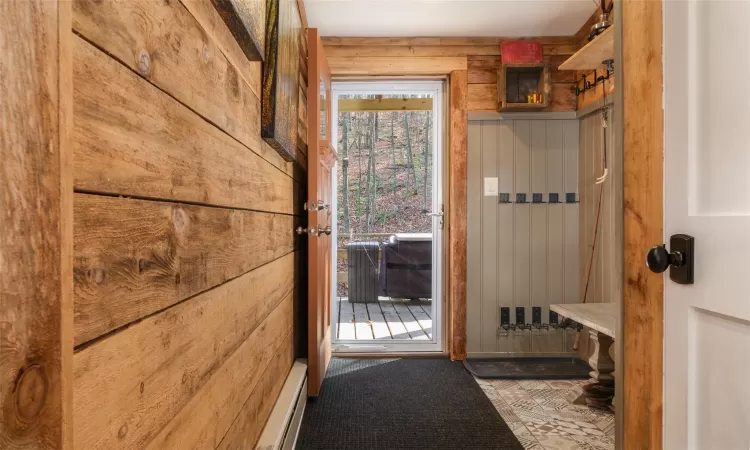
[{"x": 387, "y": 319}]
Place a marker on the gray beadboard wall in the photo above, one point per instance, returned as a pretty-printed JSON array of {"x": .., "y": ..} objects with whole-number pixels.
[
  {"x": 605, "y": 283},
  {"x": 523, "y": 244}
]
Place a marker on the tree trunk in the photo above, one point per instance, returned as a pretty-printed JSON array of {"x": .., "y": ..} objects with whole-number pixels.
[
  {"x": 368, "y": 193},
  {"x": 426, "y": 161},
  {"x": 345, "y": 172},
  {"x": 409, "y": 158}
]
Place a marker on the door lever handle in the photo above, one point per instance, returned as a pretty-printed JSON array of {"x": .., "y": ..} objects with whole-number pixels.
[{"x": 435, "y": 214}]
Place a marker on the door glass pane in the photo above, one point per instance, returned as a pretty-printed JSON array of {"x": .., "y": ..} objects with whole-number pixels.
[{"x": 385, "y": 195}]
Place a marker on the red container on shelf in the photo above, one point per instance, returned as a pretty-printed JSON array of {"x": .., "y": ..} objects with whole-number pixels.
[{"x": 516, "y": 52}]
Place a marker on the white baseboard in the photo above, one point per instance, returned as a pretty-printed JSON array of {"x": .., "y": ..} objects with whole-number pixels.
[{"x": 282, "y": 428}]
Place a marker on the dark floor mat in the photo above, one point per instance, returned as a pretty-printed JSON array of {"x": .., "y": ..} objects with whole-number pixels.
[
  {"x": 529, "y": 368},
  {"x": 402, "y": 404}
]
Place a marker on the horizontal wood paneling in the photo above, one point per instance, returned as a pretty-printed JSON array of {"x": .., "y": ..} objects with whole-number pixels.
[
  {"x": 482, "y": 97},
  {"x": 135, "y": 257},
  {"x": 130, "y": 138},
  {"x": 373, "y": 56},
  {"x": 134, "y": 383},
  {"x": 209, "y": 19},
  {"x": 336, "y": 51},
  {"x": 162, "y": 42},
  {"x": 387, "y": 65},
  {"x": 246, "y": 429},
  {"x": 434, "y": 41},
  {"x": 204, "y": 421}
]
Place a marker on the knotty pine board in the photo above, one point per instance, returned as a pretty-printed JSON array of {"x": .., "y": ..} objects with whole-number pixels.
[
  {"x": 130, "y": 138},
  {"x": 130, "y": 385},
  {"x": 165, "y": 44},
  {"x": 135, "y": 257},
  {"x": 205, "y": 419}
]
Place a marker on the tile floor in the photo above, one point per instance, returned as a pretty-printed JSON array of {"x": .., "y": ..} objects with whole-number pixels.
[{"x": 542, "y": 419}]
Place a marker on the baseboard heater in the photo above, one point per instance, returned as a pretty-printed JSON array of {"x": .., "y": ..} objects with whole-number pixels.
[{"x": 283, "y": 424}]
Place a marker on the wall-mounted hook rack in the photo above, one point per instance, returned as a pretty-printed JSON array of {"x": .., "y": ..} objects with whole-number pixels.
[{"x": 599, "y": 78}]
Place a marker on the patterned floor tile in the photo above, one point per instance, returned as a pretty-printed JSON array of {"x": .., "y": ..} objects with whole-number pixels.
[
  {"x": 540, "y": 415},
  {"x": 536, "y": 413},
  {"x": 567, "y": 413},
  {"x": 529, "y": 443},
  {"x": 554, "y": 404},
  {"x": 594, "y": 443},
  {"x": 607, "y": 425},
  {"x": 561, "y": 384},
  {"x": 532, "y": 384},
  {"x": 507, "y": 413},
  {"x": 557, "y": 443},
  {"x": 508, "y": 385},
  {"x": 512, "y": 396},
  {"x": 544, "y": 394},
  {"x": 525, "y": 403}
]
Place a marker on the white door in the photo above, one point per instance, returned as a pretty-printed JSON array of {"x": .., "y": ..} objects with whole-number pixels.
[{"x": 707, "y": 196}]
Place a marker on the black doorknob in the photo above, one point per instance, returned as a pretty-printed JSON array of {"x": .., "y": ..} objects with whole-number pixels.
[{"x": 658, "y": 259}]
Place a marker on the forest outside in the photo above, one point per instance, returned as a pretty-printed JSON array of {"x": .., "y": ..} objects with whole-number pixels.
[
  {"x": 385, "y": 172},
  {"x": 385, "y": 175}
]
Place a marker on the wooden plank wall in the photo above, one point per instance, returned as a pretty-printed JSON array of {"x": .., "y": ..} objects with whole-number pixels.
[
  {"x": 482, "y": 59},
  {"x": 186, "y": 267}
]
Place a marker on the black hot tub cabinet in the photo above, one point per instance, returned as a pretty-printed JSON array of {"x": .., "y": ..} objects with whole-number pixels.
[{"x": 406, "y": 266}]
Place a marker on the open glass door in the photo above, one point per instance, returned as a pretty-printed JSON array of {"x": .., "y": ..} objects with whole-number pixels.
[
  {"x": 321, "y": 160},
  {"x": 388, "y": 204}
]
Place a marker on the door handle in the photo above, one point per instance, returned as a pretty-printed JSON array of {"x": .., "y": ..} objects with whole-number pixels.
[
  {"x": 327, "y": 231},
  {"x": 311, "y": 231},
  {"x": 434, "y": 214},
  {"x": 680, "y": 261}
]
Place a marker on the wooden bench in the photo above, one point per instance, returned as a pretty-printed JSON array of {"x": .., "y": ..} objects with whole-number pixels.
[{"x": 601, "y": 319}]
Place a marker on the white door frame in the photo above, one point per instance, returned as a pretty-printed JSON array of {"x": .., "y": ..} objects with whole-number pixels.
[{"x": 436, "y": 89}]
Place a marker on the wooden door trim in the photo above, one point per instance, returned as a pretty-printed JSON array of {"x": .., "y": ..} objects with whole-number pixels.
[
  {"x": 457, "y": 223},
  {"x": 36, "y": 283},
  {"x": 640, "y": 369}
]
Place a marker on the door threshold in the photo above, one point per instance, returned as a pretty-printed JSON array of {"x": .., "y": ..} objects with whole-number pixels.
[{"x": 375, "y": 355}]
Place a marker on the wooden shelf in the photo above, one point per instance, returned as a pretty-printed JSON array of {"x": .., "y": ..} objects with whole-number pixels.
[
  {"x": 511, "y": 107},
  {"x": 592, "y": 54}
]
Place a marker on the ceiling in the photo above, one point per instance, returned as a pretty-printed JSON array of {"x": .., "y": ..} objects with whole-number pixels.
[{"x": 473, "y": 18}]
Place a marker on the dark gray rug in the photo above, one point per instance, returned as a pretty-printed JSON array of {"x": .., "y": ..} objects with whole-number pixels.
[
  {"x": 402, "y": 404},
  {"x": 529, "y": 368}
]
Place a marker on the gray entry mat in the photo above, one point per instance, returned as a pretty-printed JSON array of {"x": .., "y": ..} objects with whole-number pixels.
[{"x": 528, "y": 368}]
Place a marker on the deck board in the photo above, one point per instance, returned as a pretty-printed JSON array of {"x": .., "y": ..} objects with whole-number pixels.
[
  {"x": 362, "y": 326},
  {"x": 398, "y": 330},
  {"x": 346, "y": 319},
  {"x": 379, "y": 325},
  {"x": 388, "y": 319},
  {"x": 421, "y": 317},
  {"x": 409, "y": 321}
]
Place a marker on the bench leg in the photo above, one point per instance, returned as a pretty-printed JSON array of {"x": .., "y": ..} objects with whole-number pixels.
[{"x": 600, "y": 391}]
